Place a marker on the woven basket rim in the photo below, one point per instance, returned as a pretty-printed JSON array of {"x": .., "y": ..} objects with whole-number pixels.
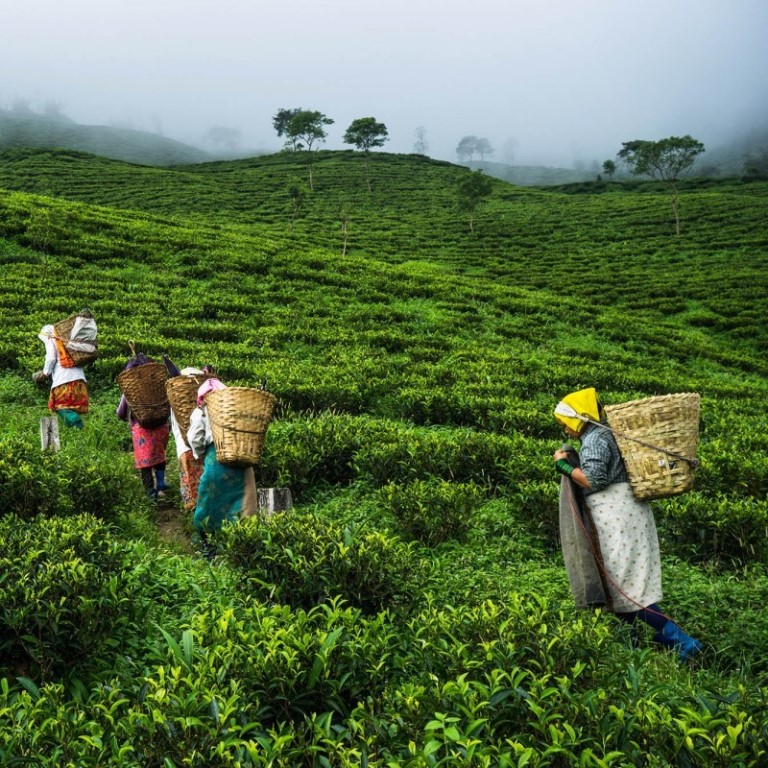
[{"x": 239, "y": 436}]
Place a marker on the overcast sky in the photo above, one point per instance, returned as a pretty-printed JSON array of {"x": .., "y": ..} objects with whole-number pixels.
[{"x": 561, "y": 81}]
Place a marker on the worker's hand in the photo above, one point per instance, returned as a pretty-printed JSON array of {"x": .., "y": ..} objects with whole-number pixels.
[
  {"x": 559, "y": 454},
  {"x": 39, "y": 377}
]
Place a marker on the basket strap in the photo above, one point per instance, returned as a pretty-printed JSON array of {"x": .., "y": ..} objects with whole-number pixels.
[{"x": 694, "y": 462}]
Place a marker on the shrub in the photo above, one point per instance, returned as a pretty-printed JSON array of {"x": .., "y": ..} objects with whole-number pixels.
[
  {"x": 303, "y": 560},
  {"x": 67, "y": 591},
  {"x": 719, "y": 529},
  {"x": 433, "y": 510},
  {"x": 80, "y": 479}
]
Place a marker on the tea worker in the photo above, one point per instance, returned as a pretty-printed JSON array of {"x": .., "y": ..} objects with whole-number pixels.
[
  {"x": 226, "y": 492},
  {"x": 149, "y": 442},
  {"x": 619, "y": 530},
  {"x": 69, "y": 394},
  {"x": 190, "y": 467}
]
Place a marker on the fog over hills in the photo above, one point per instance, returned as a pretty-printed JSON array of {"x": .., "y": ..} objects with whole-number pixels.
[{"x": 557, "y": 84}]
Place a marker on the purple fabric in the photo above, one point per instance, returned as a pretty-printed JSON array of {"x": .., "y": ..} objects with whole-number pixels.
[{"x": 122, "y": 409}]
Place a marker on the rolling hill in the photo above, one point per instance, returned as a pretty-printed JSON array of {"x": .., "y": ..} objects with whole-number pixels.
[
  {"x": 412, "y": 609},
  {"x": 125, "y": 144}
]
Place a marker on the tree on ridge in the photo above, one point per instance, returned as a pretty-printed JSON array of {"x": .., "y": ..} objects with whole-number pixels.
[
  {"x": 366, "y": 133},
  {"x": 663, "y": 160},
  {"x": 303, "y": 129}
]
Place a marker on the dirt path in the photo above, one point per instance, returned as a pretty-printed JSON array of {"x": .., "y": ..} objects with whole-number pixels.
[{"x": 173, "y": 526}]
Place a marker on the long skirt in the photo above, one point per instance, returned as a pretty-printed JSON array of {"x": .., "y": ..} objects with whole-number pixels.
[
  {"x": 72, "y": 396},
  {"x": 190, "y": 471},
  {"x": 629, "y": 547},
  {"x": 225, "y": 493},
  {"x": 149, "y": 444}
]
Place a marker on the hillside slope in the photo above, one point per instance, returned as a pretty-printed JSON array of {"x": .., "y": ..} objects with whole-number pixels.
[
  {"x": 413, "y": 607},
  {"x": 125, "y": 144}
]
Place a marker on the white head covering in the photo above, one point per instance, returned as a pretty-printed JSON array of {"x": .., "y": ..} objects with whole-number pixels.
[
  {"x": 46, "y": 332},
  {"x": 192, "y": 372}
]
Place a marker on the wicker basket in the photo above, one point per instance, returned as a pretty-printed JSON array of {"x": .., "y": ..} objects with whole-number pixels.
[
  {"x": 657, "y": 437},
  {"x": 239, "y": 420},
  {"x": 144, "y": 389},
  {"x": 63, "y": 329},
  {"x": 182, "y": 395}
]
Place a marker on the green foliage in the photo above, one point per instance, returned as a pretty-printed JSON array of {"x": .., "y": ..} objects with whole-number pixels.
[
  {"x": 433, "y": 510},
  {"x": 79, "y": 479},
  {"x": 717, "y": 529},
  {"x": 472, "y": 190},
  {"x": 416, "y": 379},
  {"x": 665, "y": 159},
  {"x": 366, "y": 133},
  {"x": 67, "y": 592},
  {"x": 303, "y": 560}
]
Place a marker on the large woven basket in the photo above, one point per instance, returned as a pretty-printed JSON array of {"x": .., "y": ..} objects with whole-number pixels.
[
  {"x": 239, "y": 420},
  {"x": 144, "y": 389},
  {"x": 657, "y": 437},
  {"x": 63, "y": 329},
  {"x": 182, "y": 395}
]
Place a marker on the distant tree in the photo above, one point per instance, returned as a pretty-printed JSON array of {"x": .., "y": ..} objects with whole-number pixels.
[
  {"x": 223, "y": 136},
  {"x": 483, "y": 148},
  {"x": 472, "y": 190},
  {"x": 466, "y": 149},
  {"x": 344, "y": 214},
  {"x": 663, "y": 160},
  {"x": 303, "y": 129},
  {"x": 281, "y": 120},
  {"x": 421, "y": 145},
  {"x": 609, "y": 168},
  {"x": 366, "y": 133}
]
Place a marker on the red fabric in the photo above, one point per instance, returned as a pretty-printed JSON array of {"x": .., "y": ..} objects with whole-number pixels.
[
  {"x": 149, "y": 444},
  {"x": 72, "y": 395}
]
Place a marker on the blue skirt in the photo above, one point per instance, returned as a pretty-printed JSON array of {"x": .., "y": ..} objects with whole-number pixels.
[{"x": 220, "y": 495}]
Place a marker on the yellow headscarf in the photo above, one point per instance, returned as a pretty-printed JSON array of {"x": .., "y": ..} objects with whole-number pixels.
[{"x": 585, "y": 402}]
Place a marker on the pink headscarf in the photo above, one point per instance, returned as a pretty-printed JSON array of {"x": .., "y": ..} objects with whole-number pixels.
[{"x": 208, "y": 386}]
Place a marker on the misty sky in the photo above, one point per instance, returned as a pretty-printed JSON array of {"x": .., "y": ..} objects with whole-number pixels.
[{"x": 567, "y": 80}]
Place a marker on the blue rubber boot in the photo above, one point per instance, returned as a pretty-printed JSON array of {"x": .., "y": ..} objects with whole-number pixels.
[
  {"x": 160, "y": 477},
  {"x": 671, "y": 636}
]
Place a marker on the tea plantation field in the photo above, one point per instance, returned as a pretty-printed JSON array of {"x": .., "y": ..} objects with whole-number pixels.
[{"x": 412, "y": 610}]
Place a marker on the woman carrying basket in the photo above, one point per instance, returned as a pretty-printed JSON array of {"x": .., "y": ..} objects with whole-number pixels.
[
  {"x": 609, "y": 538},
  {"x": 149, "y": 442},
  {"x": 69, "y": 395},
  {"x": 190, "y": 467},
  {"x": 226, "y": 492}
]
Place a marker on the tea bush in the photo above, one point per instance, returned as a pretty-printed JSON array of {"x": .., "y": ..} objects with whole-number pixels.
[
  {"x": 67, "y": 592},
  {"x": 303, "y": 560},
  {"x": 78, "y": 479},
  {"x": 716, "y": 529},
  {"x": 426, "y": 359},
  {"x": 434, "y": 510}
]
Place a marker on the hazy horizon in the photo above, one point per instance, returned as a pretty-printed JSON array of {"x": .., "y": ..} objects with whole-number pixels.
[{"x": 558, "y": 83}]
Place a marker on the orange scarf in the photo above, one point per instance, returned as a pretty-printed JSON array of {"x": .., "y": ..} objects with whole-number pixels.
[{"x": 65, "y": 359}]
